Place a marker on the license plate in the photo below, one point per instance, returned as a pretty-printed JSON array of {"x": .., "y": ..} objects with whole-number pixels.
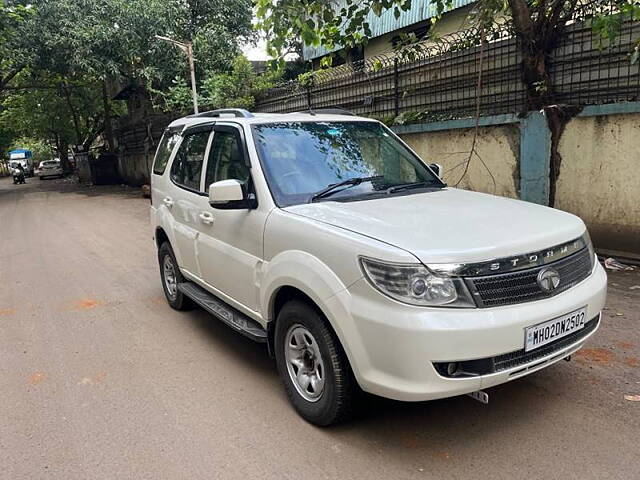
[{"x": 551, "y": 330}]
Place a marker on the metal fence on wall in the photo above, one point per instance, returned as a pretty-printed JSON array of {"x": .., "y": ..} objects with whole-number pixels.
[{"x": 439, "y": 79}]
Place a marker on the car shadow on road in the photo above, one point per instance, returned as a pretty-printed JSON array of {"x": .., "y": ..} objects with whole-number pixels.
[
  {"x": 384, "y": 420},
  {"x": 226, "y": 341}
]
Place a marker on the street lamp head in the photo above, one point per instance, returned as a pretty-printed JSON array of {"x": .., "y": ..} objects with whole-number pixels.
[{"x": 184, "y": 46}]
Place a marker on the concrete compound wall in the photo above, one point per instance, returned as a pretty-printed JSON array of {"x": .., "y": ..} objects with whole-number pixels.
[
  {"x": 600, "y": 178},
  {"x": 599, "y": 175},
  {"x": 135, "y": 168},
  {"x": 137, "y": 143},
  {"x": 494, "y": 170}
]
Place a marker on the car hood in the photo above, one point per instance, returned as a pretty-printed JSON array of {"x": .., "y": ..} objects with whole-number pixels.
[{"x": 450, "y": 225}]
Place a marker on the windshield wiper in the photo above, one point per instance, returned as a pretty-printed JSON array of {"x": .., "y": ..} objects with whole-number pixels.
[
  {"x": 409, "y": 186},
  {"x": 350, "y": 182}
]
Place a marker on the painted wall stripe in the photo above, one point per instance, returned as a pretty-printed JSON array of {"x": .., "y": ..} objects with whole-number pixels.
[{"x": 535, "y": 148}]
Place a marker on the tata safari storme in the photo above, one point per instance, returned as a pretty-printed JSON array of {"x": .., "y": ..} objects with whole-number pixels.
[{"x": 325, "y": 236}]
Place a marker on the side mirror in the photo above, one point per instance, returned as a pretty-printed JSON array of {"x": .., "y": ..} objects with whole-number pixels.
[
  {"x": 437, "y": 169},
  {"x": 231, "y": 195}
]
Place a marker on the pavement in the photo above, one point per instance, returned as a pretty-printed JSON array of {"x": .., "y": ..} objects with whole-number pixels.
[{"x": 100, "y": 379}]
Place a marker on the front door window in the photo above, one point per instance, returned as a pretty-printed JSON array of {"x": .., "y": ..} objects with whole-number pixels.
[{"x": 226, "y": 160}]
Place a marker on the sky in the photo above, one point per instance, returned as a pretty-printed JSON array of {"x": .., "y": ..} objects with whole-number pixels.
[{"x": 257, "y": 51}]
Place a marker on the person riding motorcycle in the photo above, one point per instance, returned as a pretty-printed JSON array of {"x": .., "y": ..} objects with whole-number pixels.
[{"x": 18, "y": 174}]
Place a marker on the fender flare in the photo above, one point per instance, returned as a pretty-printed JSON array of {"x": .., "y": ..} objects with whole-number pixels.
[
  {"x": 165, "y": 222},
  {"x": 311, "y": 276}
]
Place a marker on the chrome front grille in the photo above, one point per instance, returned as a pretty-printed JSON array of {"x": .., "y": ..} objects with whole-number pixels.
[
  {"x": 522, "y": 286},
  {"x": 521, "y": 357}
]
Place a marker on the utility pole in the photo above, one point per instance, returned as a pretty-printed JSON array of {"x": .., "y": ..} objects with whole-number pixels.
[{"x": 187, "y": 48}]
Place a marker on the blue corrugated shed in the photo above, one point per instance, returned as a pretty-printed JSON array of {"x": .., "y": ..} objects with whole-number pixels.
[{"x": 387, "y": 22}]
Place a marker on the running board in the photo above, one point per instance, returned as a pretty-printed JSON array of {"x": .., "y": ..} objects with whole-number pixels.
[{"x": 226, "y": 313}]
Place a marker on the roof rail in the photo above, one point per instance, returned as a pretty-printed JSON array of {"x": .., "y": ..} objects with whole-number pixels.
[
  {"x": 328, "y": 111},
  {"x": 236, "y": 112}
]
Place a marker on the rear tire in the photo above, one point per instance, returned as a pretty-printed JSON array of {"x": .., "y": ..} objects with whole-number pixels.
[
  {"x": 171, "y": 277},
  {"x": 313, "y": 366}
]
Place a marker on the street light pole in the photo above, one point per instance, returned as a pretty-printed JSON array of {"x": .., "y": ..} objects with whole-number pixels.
[
  {"x": 192, "y": 68},
  {"x": 187, "y": 48}
]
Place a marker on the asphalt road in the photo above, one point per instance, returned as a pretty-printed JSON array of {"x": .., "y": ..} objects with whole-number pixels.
[{"x": 100, "y": 379}]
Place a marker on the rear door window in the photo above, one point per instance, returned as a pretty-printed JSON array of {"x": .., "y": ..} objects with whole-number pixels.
[
  {"x": 186, "y": 170},
  {"x": 167, "y": 143}
]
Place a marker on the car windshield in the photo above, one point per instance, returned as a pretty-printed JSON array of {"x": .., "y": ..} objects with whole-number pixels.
[
  {"x": 49, "y": 163},
  {"x": 301, "y": 159}
]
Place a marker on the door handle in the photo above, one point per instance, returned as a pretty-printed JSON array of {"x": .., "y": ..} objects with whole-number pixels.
[
  {"x": 206, "y": 217},
  {"x": 168, "y": 202}
]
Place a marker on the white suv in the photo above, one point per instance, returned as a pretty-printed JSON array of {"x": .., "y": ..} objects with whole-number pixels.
[{"x": 325, "y": 236}]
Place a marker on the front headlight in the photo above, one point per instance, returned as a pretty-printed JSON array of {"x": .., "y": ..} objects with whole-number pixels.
[
  {"x": 416, "y": 285},
  {"x": 586, "y": 238}
]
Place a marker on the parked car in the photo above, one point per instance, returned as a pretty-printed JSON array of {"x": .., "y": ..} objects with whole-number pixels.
[
  {"x": 50, "y": 168},
  {"x": 325, "y": 236}
]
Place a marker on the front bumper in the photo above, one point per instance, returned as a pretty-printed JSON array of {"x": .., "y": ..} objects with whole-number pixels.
[{"x": 392, "y": 346}]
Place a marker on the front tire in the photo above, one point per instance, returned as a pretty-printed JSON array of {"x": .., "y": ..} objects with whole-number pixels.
[
  {"x": 171, "y": 277},
  {"x": 313, "y": 366}
]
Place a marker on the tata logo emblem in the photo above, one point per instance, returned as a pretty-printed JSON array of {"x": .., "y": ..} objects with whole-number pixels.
[{"x": 548, "y": 279}]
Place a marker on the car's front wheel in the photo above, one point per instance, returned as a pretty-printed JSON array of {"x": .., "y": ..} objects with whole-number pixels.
[
  {"x": 313, "y": 366},
  {"x": 171, "y": 277}
]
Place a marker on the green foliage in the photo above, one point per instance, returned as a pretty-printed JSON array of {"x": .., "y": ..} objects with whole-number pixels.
[
  {"x": 41, "y": 150},
  {"x": 55, "y": 55},
  {"x": 176, "y": 98},
  {"x": 345, "y": 23},
  {"x": 102, "y": 38},
  {"x": 15, "y": 52},
  {"x": 59, "y": 112},
  {"x": 318, "y": 22},
  {"x": 239, "y": 87},
  {"x": 608, "y": 26},
  {"x": 236, "y": 88}
]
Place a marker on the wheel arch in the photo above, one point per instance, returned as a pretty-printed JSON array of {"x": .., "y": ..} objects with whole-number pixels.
[
  {"x": 161, "y": 236},
  {"x": 286, "y": 293}
]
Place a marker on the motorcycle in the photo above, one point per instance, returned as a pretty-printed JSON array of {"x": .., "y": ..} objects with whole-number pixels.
[{"x": 18, "y": 176}]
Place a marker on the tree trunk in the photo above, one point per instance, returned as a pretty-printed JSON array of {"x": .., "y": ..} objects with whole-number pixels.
[
  {"x": 74, "y": 115},
  {"x": 538, "y": 29},
  {"x": 108, "y": 126},
  {"x": 541, "y": 96},
  {"x": 63, "y": 153},
  {"x": 536, "y": 79}
]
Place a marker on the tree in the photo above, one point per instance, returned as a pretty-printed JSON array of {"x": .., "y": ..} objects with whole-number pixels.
[
  {"x": 237, "y": 87},
  {"x": 14, "y": 51},
  {"x": 71, "y": 48},
  {"x": 40, "y": 149},
  {"x": 107, "y": 38},
  {"x": 59, "y": 112},
  {"x": 537, "y": 24}
]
